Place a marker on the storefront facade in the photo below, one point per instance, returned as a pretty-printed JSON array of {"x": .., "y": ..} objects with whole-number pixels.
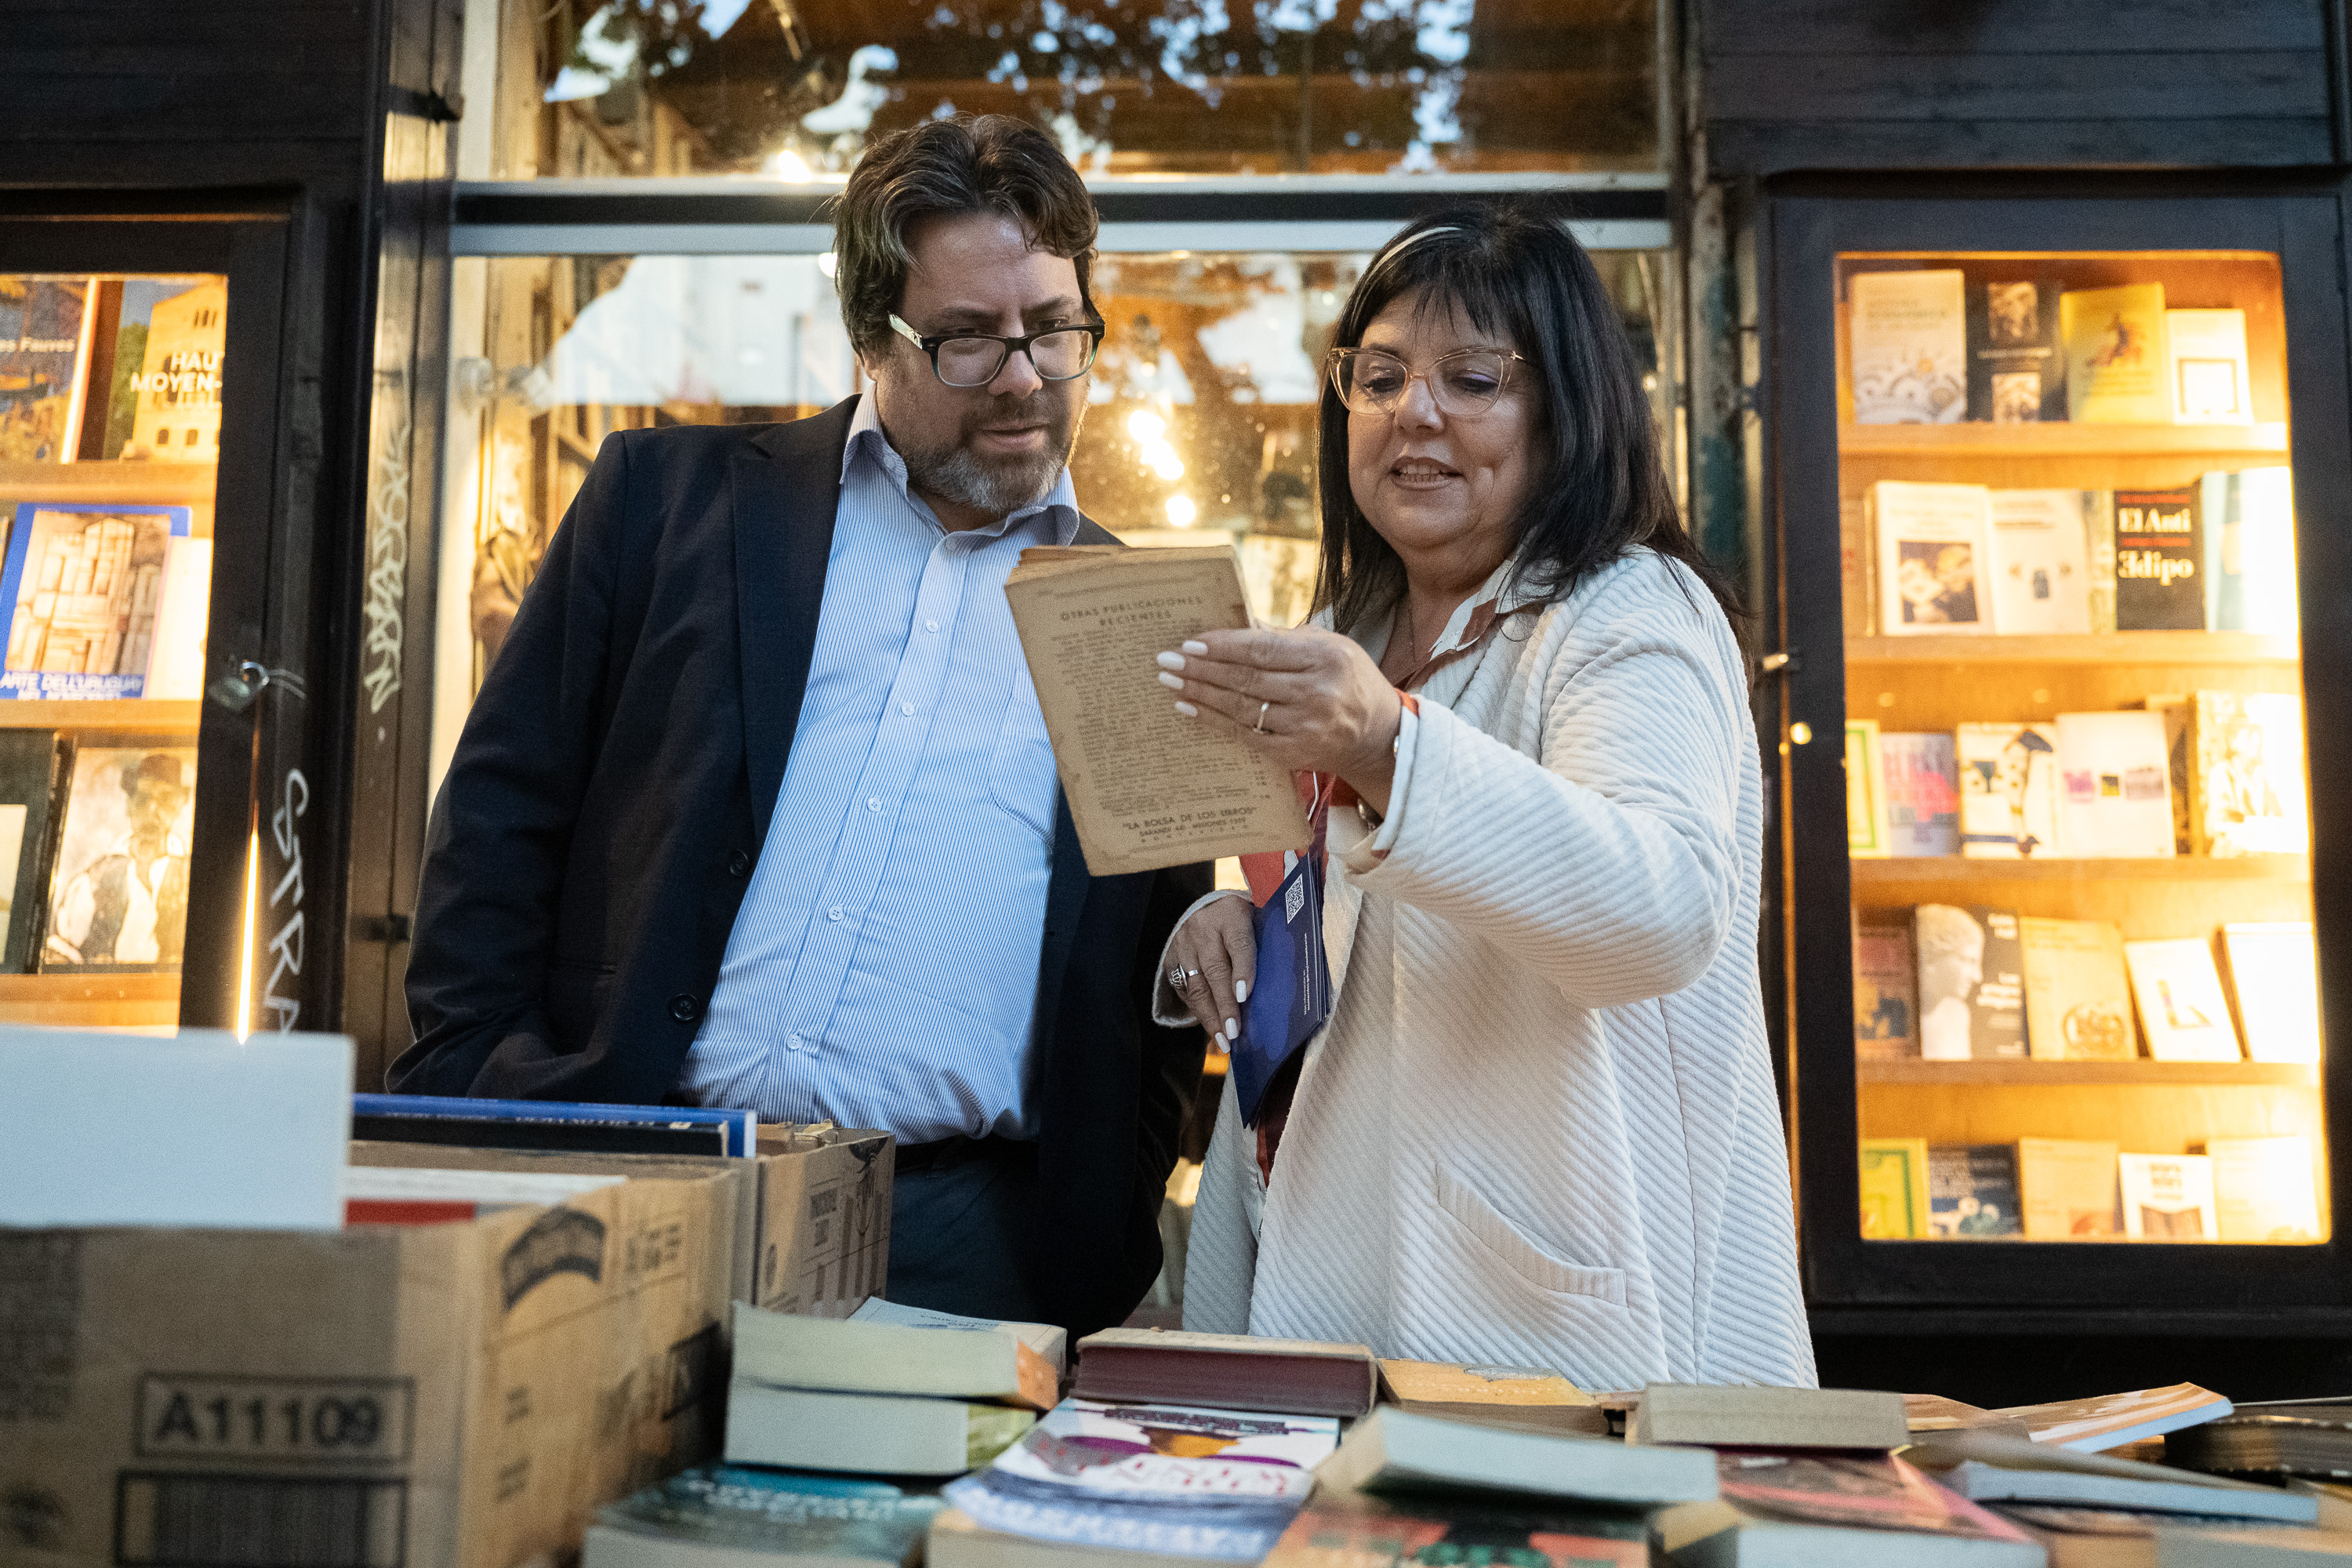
[{"x": 448, "y": 247}]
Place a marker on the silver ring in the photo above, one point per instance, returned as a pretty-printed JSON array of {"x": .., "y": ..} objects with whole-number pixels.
[
  {"x": 1260, "y": 725},
  {"x": 1177, "y": 977}
]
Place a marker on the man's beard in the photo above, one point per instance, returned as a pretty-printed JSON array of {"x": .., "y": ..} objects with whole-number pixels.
[{"x": 998, "y": 486}]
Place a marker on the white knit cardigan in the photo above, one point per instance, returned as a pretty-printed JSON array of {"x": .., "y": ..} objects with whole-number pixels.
[{"x": 1544, "y": 1133}]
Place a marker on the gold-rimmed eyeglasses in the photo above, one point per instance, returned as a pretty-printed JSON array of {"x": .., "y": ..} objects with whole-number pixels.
[
  {"x": 975, "y": 359},
  {"x": 1464, "y": 383}
]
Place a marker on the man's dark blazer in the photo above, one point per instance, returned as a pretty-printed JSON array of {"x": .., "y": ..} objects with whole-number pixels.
[{"x": 611, "y": 795}]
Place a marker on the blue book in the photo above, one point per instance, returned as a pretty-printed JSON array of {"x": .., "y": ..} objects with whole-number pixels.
[
  {"x": 82, "y": 586},
  {"x": 554, "y": 1124},
  {"x": 732, "y": 1511},
  {"x": 1290, "y": 997}
]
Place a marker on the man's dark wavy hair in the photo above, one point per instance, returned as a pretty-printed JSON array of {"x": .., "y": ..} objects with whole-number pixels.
[
  {"x": 1599, "y": 486},
  {"x": 948, "y": 168}
]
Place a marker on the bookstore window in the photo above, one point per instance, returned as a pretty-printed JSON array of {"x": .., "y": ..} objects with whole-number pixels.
[
  {"x": 792, "y": 90},
  {"x": 109, "y": 431},
  {"x": 2086, "y": 999}
]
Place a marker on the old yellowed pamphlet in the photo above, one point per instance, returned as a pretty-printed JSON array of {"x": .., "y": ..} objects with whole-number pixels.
[{"x": 1148, "y": 787}]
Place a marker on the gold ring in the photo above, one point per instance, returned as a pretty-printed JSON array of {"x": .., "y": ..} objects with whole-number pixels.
[{"x": 1260, "y": 725}]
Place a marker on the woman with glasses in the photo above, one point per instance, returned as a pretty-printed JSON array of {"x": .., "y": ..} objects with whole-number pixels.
[{"x": 1538, "y": 1128}]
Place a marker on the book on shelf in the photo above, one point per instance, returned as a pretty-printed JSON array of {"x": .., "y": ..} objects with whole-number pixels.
[
  {"x": 1753, "y": 1416},
  {"x": 2175, "y": 709},
  {"x": 2117, "y": 362},
  {"x": 2107, "y": 1421},
  {"x": 1817, "y": 1510},
  {"x": 2067, "y": 1188},
  {"x": 1363, "y": 1530},
  {"x": 866, "y": 1434},
  {"x": 1885, "y": 995},
  {"x": 1865, "y": 791},
  {"x": 35, "y": 765},
  {"x": 2115, "y": 786},
  {"x": 1234, "y": 1372},
  {"x": 2246, "y": 793},
  {"x": 175, "y": 657},
  {"x": 2249, "y": 543},
  {"x": 2159, "y": 551},
  {"x": 1393, "y": 1449},
  {"x": 2168, "y": 1197},
  {"x": 2182, "y": 1014},
  {"x": 45, "y": 339},
  {"x": 1856, "y": 551},
  {"x": 2263, "y": 1189},
  {"x": 1894, "y": 1188},
  {"x": 1971, "y": 983},
  {"x": 1050, "y": 1340},
  {"x": 1218, "y": 1485},
  {"x": 1972, "y": 1190},
  {"x": 2210, "y": 385},
  {"x": 118, "y": 898},
  {"x": 2041, "y": 571},
  {"x": 2010, "y": 791},
  {"x": 731, "y": 1516},
  {"x": 1933, "y": 542},
  {"x": 1921, "y": 775},
  {"x": 2017, "y": 366},
  {"x": 81, "y": 582},
  {"x": 2078, "y": 1003},
  {"x": 1987, "y": 1467},
  {"x": 2099, "y": 558},
  {"x": 846, "y": 1357},
  {"x": 1906, "y": 332},
  {"x": 1147, "y": 787},
  {"x": 2274, "y": 981},
  {"x": 1532, "y": 1396},
  {"x": 554, "y": 1124}
]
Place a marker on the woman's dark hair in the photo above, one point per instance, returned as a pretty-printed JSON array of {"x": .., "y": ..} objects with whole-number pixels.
[
  {"x": 948, "y": 168},
  {"x": 1599, "y": 487}
]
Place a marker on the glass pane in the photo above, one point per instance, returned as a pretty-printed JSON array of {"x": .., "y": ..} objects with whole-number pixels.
[
  {"x": 2086, "y": 1006},
  {"x": 109, "y": 435},
  {"x": 1200, "y": 423},
  {"x": 605, "y": 87}
]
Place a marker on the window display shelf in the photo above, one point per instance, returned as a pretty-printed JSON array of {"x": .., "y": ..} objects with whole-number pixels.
[
  {"x": 2060, "y": 440},
  {"x": 2105, "y": 647},
  {"x": 118, "y": 713},
  {"x": 91, "y": 1000},
  {"x": 1959, "y": 870},
  {"x": 159, "y": 483},
  {"x": 2064, "y": 1074}
]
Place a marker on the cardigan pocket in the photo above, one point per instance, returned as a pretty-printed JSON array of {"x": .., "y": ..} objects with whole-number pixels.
[{"x": 1486, "y": 1224}]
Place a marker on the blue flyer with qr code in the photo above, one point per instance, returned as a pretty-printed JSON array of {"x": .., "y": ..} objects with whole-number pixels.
[{"x": 1290, "y": 998}]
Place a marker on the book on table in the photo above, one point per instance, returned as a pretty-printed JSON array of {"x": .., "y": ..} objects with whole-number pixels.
[
  {"x": 1815, "y": 1510},
  {"x": 554, "y": 1124},
  {"x": 2110, "y": 1421},
  {"x": 1146, "y": 787},
  {"x": 1049, "y": 1340},
  {"x": 1993, "y": 1467},
  {"x": 1363, "y": 1530},
  {"x": 725, "y": 1516},
  {"x": 2269, "y": 1438},
  {"x": 1396, "y": 1449},
  {"x": 412, "y": 1194},
  {"x": 1228, "y": 1372},
  {"x": 866, "y": 1434},
  {"x": 1517, "y": 1396},
  {"x": 852, "y": 1356},
  {"x": 1760, "y": 1416}
]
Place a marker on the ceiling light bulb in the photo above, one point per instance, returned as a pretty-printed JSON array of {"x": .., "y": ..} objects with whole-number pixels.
[{"x": 1181, "y": 511}]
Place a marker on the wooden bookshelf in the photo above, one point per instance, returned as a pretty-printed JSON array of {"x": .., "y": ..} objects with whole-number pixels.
[
  {"x": 2065, "y": 1075},
  {"x": 90, "y": 1001},
  {"x": 1963, "y": 872},
  {"x": 2102, "y": 648},
  {"x": 156, "y": 484},
  {"x": 126, "y": 713},
  {"x": 2062, "y": 439}
]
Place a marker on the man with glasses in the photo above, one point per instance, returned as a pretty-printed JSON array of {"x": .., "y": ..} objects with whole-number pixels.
[{"x": 756, "y": 806}]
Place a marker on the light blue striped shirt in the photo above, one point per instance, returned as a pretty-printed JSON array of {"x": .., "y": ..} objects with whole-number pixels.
[{"x": 883, "y": 969}]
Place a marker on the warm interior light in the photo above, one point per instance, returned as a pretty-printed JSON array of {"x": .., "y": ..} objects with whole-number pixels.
[
  {"x": 789, "y": 165},
  {"x": 1145, "y": 426},
  {"x": 1181, "y": 511},
  {"x": 245, "y": 950}
]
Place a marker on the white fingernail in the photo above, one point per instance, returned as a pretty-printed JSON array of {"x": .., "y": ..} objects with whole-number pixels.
[
  {"x": 1173, "y": 682},
  {"x": 1186, "y": 709},
  {"x": 1193, "y": 647},
  {"x": 1172, "y": 660},
  {"x": 1240, "y": 990},
  {"x": 1233, "y": 1030},
  {"x": 1217, "y": 1044}
]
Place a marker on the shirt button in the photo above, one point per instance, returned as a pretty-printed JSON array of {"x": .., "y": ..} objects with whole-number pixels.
[
  {"x": 738, "y": 864},
  {"x": 832, "y": 914},
  {"x": 873, "y": 802},
  {"x": 930, "y": 626},
  {"x": 795, "y": 1043},
  {"x": 684, "y": 1008},
  {"x": 907, "y": 709}
]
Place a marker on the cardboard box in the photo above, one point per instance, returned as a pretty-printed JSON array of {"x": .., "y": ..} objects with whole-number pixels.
[
  {"x": 460, "y": 1395},
  {"x": 812, "y": 1234}
]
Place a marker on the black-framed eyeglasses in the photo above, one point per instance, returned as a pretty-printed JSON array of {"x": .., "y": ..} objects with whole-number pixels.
[
  {"x": 975, "y": 359},
  {"x": 1464, "y": 383}
]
